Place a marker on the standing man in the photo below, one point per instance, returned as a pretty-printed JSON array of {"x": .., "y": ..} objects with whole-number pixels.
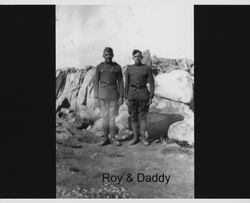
[
  {"x": 137, "y": 96},
  {"x": 108, "y": 93}
]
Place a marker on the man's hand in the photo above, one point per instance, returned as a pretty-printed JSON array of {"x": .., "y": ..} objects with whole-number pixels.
[
  {"x": 97, "y": 102},
  {"x": 126, "y": 102},
  {"x": 149, "y": 101},
  {"x": 120, "y": 101}
]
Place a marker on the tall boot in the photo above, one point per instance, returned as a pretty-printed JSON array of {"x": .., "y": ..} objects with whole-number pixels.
[
  {"x": 142, "y": 132},
  {"x": 135, "y": 132},
  {"x": 112, "y": 131},
  {"x": 105, "y": 129}
]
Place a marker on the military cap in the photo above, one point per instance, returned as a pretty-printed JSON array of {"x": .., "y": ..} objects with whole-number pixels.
[
  {"x": 108, "y": 49},
  {"x": 136, "y": 51}
]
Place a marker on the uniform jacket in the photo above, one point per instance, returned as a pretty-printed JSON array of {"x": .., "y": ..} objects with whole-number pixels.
[
  {"x": 139, "y": 76},
  {"x": 108, "y": 81}
]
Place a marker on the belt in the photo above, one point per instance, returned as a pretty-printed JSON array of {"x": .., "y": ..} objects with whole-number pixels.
[
  {"x": 138, "y": 86},
  {"x": 107, "y": 83}
]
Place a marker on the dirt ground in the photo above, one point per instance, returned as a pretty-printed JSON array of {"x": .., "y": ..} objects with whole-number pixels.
[{"x": 81, "y": 164}]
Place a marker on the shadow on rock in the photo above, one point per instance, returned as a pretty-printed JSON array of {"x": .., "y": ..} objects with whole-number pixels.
[{"x": 159, "y": 123}]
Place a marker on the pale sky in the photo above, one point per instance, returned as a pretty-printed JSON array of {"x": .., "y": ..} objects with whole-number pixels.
[{"x": 82, "y": 32}]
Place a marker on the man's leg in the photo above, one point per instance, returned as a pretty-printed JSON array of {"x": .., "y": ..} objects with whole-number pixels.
[
  {"x": 113, "y": 111},
  {"x": 143, "y": 110},
  {"x": 105, "y": 122},
  {"x": 132, "y": 109}
]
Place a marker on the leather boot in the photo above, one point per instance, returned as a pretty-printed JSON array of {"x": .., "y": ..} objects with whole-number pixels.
[
  {"x": 112, "y": 131},
  {"x": 142, "y": 132},
  {"x": 134, "y": 128},
  {"x": 105, "y": 141}
]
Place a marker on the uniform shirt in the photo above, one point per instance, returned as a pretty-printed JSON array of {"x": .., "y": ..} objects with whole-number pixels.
[
  {"x": 108, "y": 81},
  {"x": 139, "y": 75}
]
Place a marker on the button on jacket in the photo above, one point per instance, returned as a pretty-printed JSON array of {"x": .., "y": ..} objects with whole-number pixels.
[
  {"x": 136, "y": 79},
  {"x": 108, "y": 81}
]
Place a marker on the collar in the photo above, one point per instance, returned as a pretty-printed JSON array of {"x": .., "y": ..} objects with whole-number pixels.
[
  {"x": 140, "y": 64},
  {"x": 110, "y": 63}
]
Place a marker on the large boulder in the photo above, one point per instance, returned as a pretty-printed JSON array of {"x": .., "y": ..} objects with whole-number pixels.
[
  {"x": 176, "y": 85},
  {"x": 182, "y": 64},
  {"x": 85, "y": 101},
  {"x": 86, "y": 92},
  {"x": 166, "y": 65},
  {"x": 146, "y": 58},
  {"x": 122, "y": 120},
  {"x": 78, "y": 92},
  {"x": 183, "y": 130},
  {"x": 92, "y": 114},
  {"x": 70, "y": 91},
  {"x": 60, "y": 81},
  {"x": 185, "y": 64},
  {"x": 97, "y": 128},
  {"x": 161, "y": 105}
]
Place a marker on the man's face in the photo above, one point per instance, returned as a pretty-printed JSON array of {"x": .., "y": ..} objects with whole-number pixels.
[
  {"x": 137, "y": 58},
  {"x": 108, "y": 56}
]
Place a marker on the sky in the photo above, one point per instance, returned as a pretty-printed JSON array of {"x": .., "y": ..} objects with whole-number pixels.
[{"x": 83, "y": 31}]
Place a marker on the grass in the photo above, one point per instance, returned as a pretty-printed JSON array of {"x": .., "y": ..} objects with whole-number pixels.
[{"x": 106, "y": 191}]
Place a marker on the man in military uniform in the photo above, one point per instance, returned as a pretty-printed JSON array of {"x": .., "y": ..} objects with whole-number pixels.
[
  {"x": 108, "y": 93},
  {"x": 137, "y": 96}
]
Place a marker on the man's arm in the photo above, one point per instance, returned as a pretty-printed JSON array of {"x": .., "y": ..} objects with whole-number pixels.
[
  {"x": 120, "y": 83},
  {"x": 127, "y": 81},
  {"x": 96, "y": 82},
  {"x": 151, "y": 83}
]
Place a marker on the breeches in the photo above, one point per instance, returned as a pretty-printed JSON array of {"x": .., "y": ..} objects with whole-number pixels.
[{"x": 138, "y": 109}]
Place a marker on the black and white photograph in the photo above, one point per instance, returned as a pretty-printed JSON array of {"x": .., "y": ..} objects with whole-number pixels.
[{"x": 125, "y": 101}]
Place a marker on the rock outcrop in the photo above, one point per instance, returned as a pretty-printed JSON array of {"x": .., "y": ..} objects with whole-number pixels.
[
  {"x": 86, "y": 92},
  {"x": 162, "y": 114},
  {"x": 165, "y": 65},
  {"x": 183, "y": 130},
  {"x": 71, "y": 88},
  {"x": 170, "y": 114},
  {"x": 176, "y": 85},
  {"x": 147, "y": 58}
]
